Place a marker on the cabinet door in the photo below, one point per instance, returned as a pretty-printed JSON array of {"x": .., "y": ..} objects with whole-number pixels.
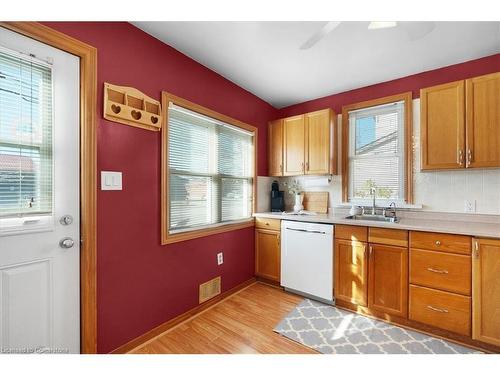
[
  {"x": 317, "y": 127},
  {"x": 350, "y": 272},
  {"x": 293, "y": 145},
  {"x": 267, "y": 254},
  {"x": 483, "y": 121},
  {"x": 486, "y": 291},
  {"x": 275, "y": 152},
  {"x": 442, "y": 126},
  {"x": 388, "y": 281}
]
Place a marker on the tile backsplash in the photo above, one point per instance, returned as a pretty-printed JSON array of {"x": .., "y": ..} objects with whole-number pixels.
[{"x": 439, "y": 191}]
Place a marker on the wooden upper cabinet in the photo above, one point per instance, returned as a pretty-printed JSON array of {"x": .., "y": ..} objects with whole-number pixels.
[
  {"x": 275, "y": 151},
  {"x": 388, "y": 283},
  {"x": 483, "y": 121},
  {"x": 303, "y": 144},
  {"x": 442, "y": 126},
  {"x": 351, "y": 272},
  {"x": 486, "y": 291},
  {"x": 318, "y": 128},
  {"x": 293, "y": 145}
]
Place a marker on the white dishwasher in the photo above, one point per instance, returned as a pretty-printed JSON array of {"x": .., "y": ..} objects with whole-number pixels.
[{"x": 307, "y": 259}]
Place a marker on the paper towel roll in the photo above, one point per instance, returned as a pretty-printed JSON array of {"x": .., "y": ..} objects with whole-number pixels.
[{"x": 316, "y": 181}]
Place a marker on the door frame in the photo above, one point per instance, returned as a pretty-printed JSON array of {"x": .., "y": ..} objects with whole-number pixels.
[{"x": 88, "y": 169}]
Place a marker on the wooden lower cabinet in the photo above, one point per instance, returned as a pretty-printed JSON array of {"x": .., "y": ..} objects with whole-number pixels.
[
  {"x": 388, "y": 279},
  {"x": 268, "y": 254},
  {"x": 351, "y": 272},
  {"x": 486, "y": 291}
]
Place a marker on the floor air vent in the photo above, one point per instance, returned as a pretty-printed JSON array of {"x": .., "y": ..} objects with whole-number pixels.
[{"x": 209, "y": 289}]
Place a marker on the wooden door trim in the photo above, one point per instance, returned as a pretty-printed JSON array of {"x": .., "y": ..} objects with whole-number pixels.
[
  {"x": 407, "y": 98},
  {"x": 88, "y": 168}
]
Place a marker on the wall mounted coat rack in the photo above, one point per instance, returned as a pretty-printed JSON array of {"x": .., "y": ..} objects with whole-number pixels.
[{"x": 129, "y": 106}]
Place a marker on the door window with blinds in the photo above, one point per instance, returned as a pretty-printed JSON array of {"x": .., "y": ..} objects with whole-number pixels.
[
  {"x": 25, "y": 136},
  {"x": 376, "y": 152},
  {"x": 210, "y": 171}
]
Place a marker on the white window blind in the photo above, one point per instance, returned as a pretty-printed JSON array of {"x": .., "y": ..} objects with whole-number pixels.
[
  {"x": 25, "y": 136},
  {"x": 376, "y": 152},
  {"x": 210, "y": 171}
]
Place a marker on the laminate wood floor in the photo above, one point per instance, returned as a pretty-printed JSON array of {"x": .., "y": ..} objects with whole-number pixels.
[{"x": 243, "y": 323}]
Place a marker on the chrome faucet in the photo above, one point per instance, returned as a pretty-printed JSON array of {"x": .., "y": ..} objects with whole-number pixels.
[{"x": 373, "y": 192}]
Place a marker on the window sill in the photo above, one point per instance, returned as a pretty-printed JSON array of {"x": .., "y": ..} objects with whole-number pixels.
[{"x": 189, "y": 235}]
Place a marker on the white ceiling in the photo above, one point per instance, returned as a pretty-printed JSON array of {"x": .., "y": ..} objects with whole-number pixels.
[{"x": 265, "y": 57}]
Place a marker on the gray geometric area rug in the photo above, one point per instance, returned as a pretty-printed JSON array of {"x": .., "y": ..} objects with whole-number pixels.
[{"x": 330, "y": 330}]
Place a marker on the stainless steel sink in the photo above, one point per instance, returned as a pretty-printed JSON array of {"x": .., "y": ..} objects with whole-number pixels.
[{"x": 387, "y": 219}]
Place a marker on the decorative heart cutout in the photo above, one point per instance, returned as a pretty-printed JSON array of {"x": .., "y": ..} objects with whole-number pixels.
[
  {"x": 154, "y": 119},
  {"x": 136, "y": 114},
  {"x": 116, "y": 108}
]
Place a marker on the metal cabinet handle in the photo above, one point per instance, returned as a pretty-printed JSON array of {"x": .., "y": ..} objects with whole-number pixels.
[
  {"x": 436, "y": 271},
  {"x": 371, "y": 250},
  {"x": 436, "y": 309},
  {"x": 438, "y": 243},
  {"x": 476, "y": 248},
  {"x": 460, "y": 157},
  {"x": 469, "y": 156}
]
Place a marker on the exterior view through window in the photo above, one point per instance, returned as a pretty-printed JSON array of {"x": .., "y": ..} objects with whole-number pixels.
[
  {"x": 25, "y": 136},
  {"x": 376, "y": 152},
  {"x": 210, "y": 171}
]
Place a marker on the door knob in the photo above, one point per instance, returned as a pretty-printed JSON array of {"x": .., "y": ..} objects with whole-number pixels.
[{"x": 66, "y": 243}]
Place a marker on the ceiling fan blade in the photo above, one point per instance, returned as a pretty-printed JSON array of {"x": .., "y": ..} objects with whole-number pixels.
[
  {"x": 320, "y": 34},
  {"x": 417, "y": 30}
]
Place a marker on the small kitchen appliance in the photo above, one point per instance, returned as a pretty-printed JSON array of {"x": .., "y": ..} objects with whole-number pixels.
[{"x": 277, "y": 198}]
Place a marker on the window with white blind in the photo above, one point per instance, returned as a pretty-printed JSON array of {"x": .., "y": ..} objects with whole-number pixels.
[
  {"x": 210, "y": 171},
  {"x": 376, "y": 152},
  {"x": 25, "y": 136}
]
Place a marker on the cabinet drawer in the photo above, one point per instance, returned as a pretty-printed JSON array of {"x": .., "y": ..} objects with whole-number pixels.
[
  {"x": 450, "y": 272},
  {"x": 449, "y": 243},
  {"x": 441, "y": 309},
  {"x": 265, "y": 223},
  {"x": 394, "y": 237},
  {"x": 351, "y": 232}
]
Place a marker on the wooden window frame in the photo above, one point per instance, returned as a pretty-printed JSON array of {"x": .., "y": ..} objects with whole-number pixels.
[
  {"x": 88, "y": 168},
  {"x": 407, "y": 98},
  {"x": 166, "y": 237}
]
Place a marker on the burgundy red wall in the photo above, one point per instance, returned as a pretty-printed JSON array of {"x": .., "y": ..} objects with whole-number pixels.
[
  {"x": 412, "y": 83},
  {"x": 142, "y": 284}
]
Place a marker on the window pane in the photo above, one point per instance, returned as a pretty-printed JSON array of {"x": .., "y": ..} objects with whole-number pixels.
[
  {"x": 236, "y": 199},
  {"x": 210, "y": 170},
  {"x": 380, "y": 173},
  {"x": 25, "y": 137},
  {"x": 190, "y": 201},
  {"x": 235, "y": 153},
  {"x": 377, "y": 134},
  {"x": 189, "y": 143},
  {"x": 376, "y": 152}
]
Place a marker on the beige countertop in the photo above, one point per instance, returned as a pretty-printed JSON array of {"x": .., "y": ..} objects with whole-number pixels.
[{"x": 466, "y": 227}]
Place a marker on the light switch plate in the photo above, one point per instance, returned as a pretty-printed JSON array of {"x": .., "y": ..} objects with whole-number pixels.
[{"x": 111, "y": 180}]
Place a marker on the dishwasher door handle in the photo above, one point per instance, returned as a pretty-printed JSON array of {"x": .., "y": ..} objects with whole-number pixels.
[{"x": 306, "y": 231}]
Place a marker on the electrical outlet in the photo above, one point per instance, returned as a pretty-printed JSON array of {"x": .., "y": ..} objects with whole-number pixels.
[
  {"x": 470, "y": 206},
  {"x": 220, "y": 259}
]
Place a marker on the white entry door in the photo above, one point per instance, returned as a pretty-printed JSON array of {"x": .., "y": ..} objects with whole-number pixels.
[{"x": 39, "y": 197}]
